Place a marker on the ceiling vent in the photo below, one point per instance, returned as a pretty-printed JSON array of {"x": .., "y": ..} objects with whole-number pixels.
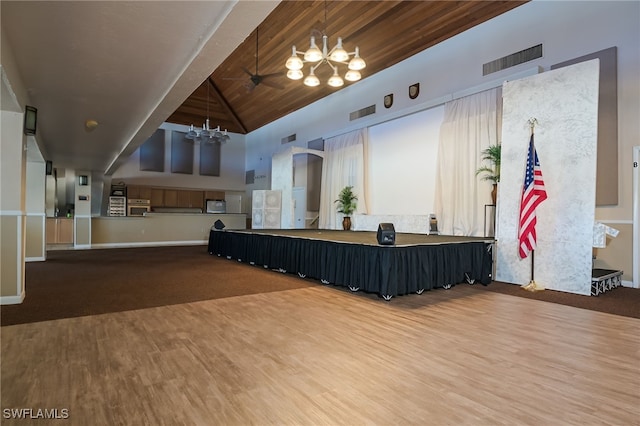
[
  {"x": 288, "y": 139},
  {"x": 362, "y": 112},
  {"x": 512, "y": 60}
]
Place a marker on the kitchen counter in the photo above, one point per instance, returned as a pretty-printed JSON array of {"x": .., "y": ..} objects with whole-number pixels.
[{"x": 155, "y": 229}]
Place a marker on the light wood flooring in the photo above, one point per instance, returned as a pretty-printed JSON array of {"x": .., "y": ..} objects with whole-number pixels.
[{"x": 323, "y": 356}]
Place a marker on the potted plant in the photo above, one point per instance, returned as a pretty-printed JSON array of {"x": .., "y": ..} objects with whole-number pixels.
[
  {"x": 492, "y": 173},
  {"x": 346, "y": 205}
]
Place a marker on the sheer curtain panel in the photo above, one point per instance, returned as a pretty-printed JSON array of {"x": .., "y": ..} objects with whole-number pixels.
[
  {"x": 343, "y": 165},
  {"x": 470, "y": 125}
]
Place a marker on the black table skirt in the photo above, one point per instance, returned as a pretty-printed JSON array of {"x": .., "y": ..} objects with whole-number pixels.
[{"x": 386, "y": 270}]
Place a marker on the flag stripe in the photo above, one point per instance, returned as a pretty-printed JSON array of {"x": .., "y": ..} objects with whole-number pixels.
[{"x": 533, "y": 193}]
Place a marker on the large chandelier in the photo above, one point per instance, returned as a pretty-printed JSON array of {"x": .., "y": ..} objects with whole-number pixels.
[
  {"x": 208, "y": 134},
  {"x": 319, "y": 57}
]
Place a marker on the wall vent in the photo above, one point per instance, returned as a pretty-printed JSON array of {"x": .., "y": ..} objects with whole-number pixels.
[
  {"x": 514, "y": 59},
  {"x": 317, "y": 144},
  {"x": 362, "y": 112},
  {"x": 249, "y": 177},
  {"x": 288, "y": 139}
]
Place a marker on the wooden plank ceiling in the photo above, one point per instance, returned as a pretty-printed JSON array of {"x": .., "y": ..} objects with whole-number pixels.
[{"x": 386, "y": 32}]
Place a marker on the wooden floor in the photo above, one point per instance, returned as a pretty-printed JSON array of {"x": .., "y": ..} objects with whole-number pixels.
[{"x": 323, "y": 356}]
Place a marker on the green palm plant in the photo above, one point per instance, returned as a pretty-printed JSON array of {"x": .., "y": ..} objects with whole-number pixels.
[
  {"x": 347, "y": 201},
  {"x": 492, "y": 155}
]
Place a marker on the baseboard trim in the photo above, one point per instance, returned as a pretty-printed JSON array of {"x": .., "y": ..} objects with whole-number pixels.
[
  {"x": 12, "y": 300},
  {"x": 150, "y": 244}
]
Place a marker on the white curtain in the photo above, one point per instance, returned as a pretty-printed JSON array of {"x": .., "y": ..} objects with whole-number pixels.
[
  {"x": 470, "y": 125},
  {"x": 343, "y": 165}
]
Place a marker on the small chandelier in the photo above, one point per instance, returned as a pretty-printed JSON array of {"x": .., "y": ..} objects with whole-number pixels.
[
  {"x": 325, "y": 56},
  {"x": 207, "y": 134}
]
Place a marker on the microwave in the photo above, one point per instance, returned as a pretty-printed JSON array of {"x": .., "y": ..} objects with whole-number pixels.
[
  {"x": 216, "y": 206},
  {"x": 138, "y": 210},
  {"x": 138, "y": 207}
]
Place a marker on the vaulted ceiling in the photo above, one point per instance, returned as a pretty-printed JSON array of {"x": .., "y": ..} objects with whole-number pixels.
[
  {"x": 386, "y": 33},
  {"x": 132, "y": 65}
]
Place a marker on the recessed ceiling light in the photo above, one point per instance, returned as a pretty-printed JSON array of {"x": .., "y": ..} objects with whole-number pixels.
[{"x": 90, "y": 125}]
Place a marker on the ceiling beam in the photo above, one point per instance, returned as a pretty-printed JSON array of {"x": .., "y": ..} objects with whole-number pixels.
[{"x": 226, "y": 105}]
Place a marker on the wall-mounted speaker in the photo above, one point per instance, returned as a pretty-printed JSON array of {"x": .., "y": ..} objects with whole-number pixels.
[
  {"x": 386, "y": 234},
  {"x": 49, "y": 168}
]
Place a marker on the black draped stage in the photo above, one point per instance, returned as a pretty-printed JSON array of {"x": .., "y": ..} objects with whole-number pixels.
[{"x": 355, "y": 259}]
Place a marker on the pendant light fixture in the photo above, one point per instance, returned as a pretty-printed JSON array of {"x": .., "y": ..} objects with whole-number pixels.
[
  {"x": 318, "y": 57},
  {"x": 207, "y": 134}
]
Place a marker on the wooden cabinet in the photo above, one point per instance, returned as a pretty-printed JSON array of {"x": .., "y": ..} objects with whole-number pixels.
[
  {"x": 190, "y": 199},
  {"x": 133, "y": 191},
  {"x": 59, "y": 230},
  {"x": 147, "y": 193},
  {"x": 65, "y": 231},
  {"x": 183, "y": 199},
  {"x": 156, "y": 195},
  {"x": 214, "y": 195},
  {"x": 136, "y": 192},
  {"x": 196, "y": 198},
  {"x": 171, "y": 198},
  {"x": 51, "y": 230}
]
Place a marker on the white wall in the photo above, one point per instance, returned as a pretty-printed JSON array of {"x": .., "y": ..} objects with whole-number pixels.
[
  {"x": 232, "y": 167},
  {"x": 402, "y": 159},
  {"x": 35, "y": 196},
  {"x": 567, "y": 29}
]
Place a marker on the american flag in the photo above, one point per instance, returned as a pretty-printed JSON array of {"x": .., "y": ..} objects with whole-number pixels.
[{"x": 533, "y": 193}]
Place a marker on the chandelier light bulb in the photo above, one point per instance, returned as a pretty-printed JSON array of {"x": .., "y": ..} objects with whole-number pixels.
[
  {"x": 352, "y": 75},
  {"x": 335, "y": 80},
  {"x": 338, "y": 53},
  {"x": 313, "y": 54},
  {"x": 311, "y": 80},
  {"x": 295, "y": 74},
  {"x": 294, "y": 62},
  {"x": 205, "y": 130},
  {"x": 225, "y": 137},
  {"x": 357, "y": 63},
  {"x": 191, "y": 134}
]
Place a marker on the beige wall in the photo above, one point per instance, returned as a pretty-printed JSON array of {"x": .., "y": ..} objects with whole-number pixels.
[
  {"x": 12, "y": 269},
  {"x": 82, "y": 231},
  {"x": 35, "y": 209},
  {"x": 158, "y": 229},
  {"x": 35, "y": 237}
]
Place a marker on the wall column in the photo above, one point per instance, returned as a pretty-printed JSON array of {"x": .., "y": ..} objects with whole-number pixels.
[
  {"x": 35, "y": 225},
  {"x": 12, "y": 207},
  {"x": 82, "y": 216}
]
